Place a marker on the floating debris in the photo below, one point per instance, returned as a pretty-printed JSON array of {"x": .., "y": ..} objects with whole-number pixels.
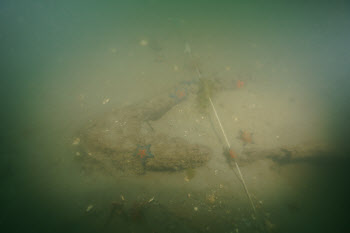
[
  {"x": 211, "y": 198},
  {"x": 143, "y": 42},
  {"x": 105, "y": 101},
  {"x": 122, "y": 197},
  {"x": 195, "y": 208},
  {"x": 76, "y": 141},
  {"x": 150, "y": 200},
  {"x": 89, "y": 208}
]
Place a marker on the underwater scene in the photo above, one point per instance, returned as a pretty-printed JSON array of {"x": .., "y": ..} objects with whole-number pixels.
[{"x": 174, "y": 116}]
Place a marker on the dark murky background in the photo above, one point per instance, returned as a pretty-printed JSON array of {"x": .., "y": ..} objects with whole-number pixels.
[{"x": 61, "y": 59}]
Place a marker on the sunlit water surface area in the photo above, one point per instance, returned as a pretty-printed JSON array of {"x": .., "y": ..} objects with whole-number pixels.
[{"x": 141, "y": 116}]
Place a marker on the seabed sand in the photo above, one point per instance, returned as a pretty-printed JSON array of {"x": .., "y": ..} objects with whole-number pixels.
[
  {"x": 213, "y": 193},
  {"x": 65, "y": 65}
]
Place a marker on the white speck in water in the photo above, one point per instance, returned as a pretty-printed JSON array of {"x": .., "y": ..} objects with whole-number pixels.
[
  {"x": 105, "y": 101},
  {"x": 150, "y": 200},
  {"x": 143, "y": 42},
  {"x": 89, "y": 208}
]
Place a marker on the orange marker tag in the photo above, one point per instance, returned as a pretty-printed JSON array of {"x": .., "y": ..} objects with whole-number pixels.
[
  {"x": 232, "y": 153},
  {"x": 240, "y": 84}
]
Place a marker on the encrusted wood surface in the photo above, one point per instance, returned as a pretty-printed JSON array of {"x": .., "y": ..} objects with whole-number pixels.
[
  {"x": 110, "y": 143},
  {"x": 286, "y": 154}
]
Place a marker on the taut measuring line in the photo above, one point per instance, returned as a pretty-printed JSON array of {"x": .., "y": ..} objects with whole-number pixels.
[
  {"x": 188, "y": 50},
  {"x": 229, "y": 147}
]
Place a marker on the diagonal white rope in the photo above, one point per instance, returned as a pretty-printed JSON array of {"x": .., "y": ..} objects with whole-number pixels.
[
  {"x": 229, "y": 146},
  {"x": 189, "y": 51}
]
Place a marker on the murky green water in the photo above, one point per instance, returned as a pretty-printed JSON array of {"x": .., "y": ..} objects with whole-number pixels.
[{"x": 65, "y": 64}]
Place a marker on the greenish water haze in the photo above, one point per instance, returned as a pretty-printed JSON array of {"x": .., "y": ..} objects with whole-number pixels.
[{"x": 61, "y": 59}]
